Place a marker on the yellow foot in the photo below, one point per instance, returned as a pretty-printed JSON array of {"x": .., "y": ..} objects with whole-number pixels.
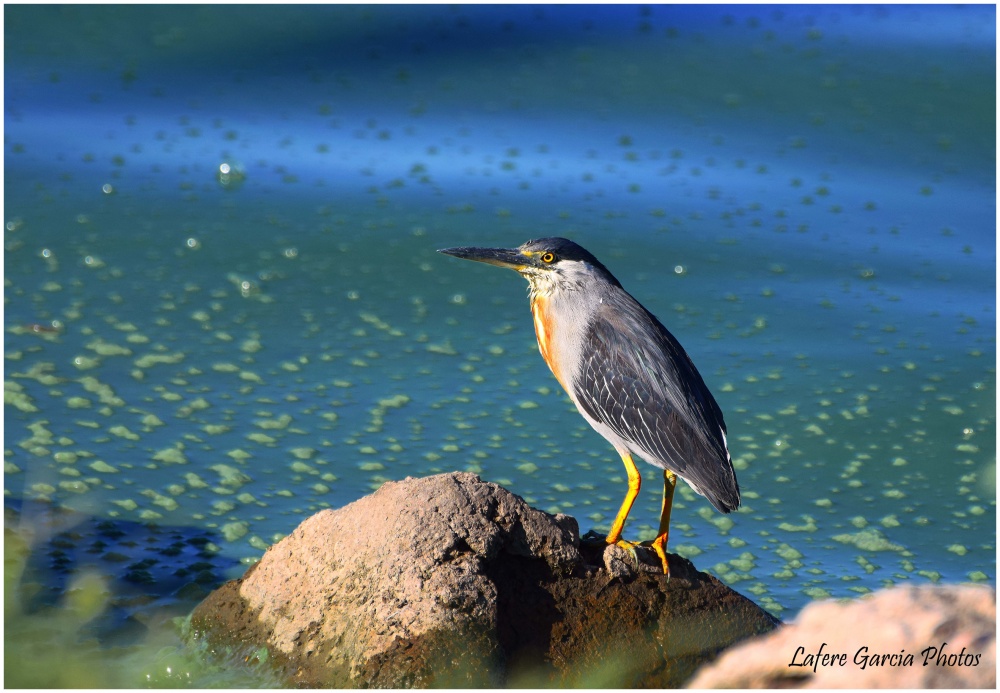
[
  {"x": 630, "y": 547},
  {"x": 662, "y": 553},
  {"x": 593, "y": 539}
]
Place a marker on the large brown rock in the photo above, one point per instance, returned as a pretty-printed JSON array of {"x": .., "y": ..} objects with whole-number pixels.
[
  {"x": 453, "y": 581},
  {"x": 948, "y": 631}
]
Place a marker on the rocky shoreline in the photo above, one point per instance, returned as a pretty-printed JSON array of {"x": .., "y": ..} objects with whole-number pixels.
[{"x": 450, "y": 581}]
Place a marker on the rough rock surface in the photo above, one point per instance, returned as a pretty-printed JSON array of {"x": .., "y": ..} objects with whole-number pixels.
[
  {"x": 452, "y": 581},
  {"x": 957, "y": 621}
]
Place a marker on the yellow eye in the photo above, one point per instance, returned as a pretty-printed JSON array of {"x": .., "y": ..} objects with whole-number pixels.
[{"x": 548, "y": 257}]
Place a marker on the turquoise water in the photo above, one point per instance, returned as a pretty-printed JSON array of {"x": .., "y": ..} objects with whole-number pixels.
[{"x": 805, "y": 196}]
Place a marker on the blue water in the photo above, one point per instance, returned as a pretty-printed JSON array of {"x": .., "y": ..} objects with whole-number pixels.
[{"x": 804, "y": 195}]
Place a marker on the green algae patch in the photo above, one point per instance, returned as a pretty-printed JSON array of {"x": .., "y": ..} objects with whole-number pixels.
[
  {"x": 277, "y": 423},
  {"x": 165, "y": 502},
  {"x": 394, "y": 402},
  {"x": 104, "y": 392},
  {"x": 258, "y": 543},
  {"x": 444, "y": 348},
  {"x": 788, "y": 553},
  {"x": 123, "y": 432},
  {"x": 869, "y": 539},
  {"x": 723, "y": 523},
  {"x": 232, "y": 531},
  {"x": 40, "y": 435},
  {"x": 126, "y": 504},
  {"x": 199, "y": 403},
  {"x": 251, "y": 377},
  {"x": 230, "y": 476},
  {"x": 225, "y": 367},
  {"x": 85, "y": 363},
  {"x": 688, "y": 551},
  {"x": 149, "y": 360},
  {"x": 42, "y": 489},
  {"x": 103, "y": 348},
  {"x": 40, "y": 372},
  {"x": 251, "y": 345},
  {"x": 15, "y": 396},
  {"x": 194, "y": 481},
  {"x": 102, "y": 467},
  {"x": 808, "y": 526},
  {"x": 221, "y": 507},
  {"x": 261, "y": 438},
  {"x": 171, "y": 455}
]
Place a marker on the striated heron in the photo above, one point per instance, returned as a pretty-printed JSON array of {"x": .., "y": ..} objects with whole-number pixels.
[{"x": 627, "y": 375}]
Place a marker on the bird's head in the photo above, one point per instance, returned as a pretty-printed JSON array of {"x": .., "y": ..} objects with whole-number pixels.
[{"x": 550, "y": 265}]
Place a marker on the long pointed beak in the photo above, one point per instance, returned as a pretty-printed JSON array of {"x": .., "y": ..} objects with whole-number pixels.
[{"x": 511, "y": 258}]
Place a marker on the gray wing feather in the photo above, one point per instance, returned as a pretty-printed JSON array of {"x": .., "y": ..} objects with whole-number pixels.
[{"x": 649, "y": 393}]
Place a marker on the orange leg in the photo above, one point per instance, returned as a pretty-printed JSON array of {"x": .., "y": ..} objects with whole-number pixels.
[
  {"x": 634, "y": 482},
  {"x": 660, "y": 543}
]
